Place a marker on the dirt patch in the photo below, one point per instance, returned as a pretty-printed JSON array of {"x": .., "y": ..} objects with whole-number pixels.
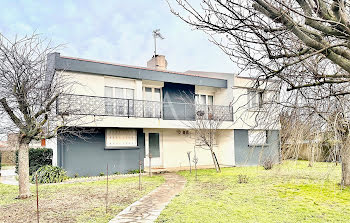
[{"x": 66, "y": 203}]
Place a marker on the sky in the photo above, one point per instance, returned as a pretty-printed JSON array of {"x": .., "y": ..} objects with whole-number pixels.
[{"x": 116, "y": 31}]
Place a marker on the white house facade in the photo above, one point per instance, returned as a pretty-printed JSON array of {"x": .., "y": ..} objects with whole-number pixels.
[{"x": 132, "y": 112}]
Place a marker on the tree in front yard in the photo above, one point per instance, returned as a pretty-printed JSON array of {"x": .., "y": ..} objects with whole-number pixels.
[
  {"x": 29, "y": 90},
  {"x": 305, "y": 44}
]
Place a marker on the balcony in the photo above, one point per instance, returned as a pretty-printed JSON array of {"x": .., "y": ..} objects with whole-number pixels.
[{"x": 118, "y": 107}]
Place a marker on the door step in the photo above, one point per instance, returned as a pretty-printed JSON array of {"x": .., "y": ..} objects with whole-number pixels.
[{"x": 156, "y": 170}]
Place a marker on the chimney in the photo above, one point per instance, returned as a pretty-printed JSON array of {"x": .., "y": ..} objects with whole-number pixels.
[{"x": 157, "y": 62}]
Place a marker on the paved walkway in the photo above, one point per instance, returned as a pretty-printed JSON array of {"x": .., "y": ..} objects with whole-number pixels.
[
  {"x": 148, "y": 208},
  {"x": 8, "y": 176}
]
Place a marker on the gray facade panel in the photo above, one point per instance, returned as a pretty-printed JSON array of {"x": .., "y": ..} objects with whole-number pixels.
[
  {"x": 69, "y": 64},
  {"x": 246, "y": 155},
  {"x": 89, "y": 157},
  {"x": 178, "y": 101}
]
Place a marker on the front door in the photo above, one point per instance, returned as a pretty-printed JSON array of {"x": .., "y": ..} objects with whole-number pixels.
[{"x": 153, "y": 148}]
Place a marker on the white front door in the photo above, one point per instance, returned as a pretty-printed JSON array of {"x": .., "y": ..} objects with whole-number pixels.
[{"x": 153, "y": 148}]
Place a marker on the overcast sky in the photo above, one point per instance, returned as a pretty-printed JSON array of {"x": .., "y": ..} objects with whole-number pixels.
[{"x": 114, "y": 31}]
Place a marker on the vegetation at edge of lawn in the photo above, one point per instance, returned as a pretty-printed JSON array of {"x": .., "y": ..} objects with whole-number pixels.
[
  {"x": 6, "y": 166},
  {"x": 123, "y": 192},
  {"x": 290, "y": 192}
]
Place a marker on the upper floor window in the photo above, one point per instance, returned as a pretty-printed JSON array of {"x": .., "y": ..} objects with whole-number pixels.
[
  {"x": 119, "y": 105},
  {"x": 116, "y": 92},
  {"x": 152, "y": 94},
  {"x": 202, "y": 99},
  {"x": 255, "y": 99}
]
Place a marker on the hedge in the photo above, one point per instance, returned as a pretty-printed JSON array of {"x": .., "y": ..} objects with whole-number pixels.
[{"x": 38, "y": 157}]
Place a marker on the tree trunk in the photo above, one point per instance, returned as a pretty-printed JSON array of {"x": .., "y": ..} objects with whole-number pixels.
[
  {"x": 216, "y": 164},
  {"x": 312, "y": 156},
  {"x": 23, "y": 171},
  {"x": 345, "y": 159}
]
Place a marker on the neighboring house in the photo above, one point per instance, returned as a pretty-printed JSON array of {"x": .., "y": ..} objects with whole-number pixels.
[{"x": 137, "y": 111}]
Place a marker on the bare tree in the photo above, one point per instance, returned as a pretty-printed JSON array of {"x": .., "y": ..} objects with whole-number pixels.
[
  {"x": 206, "y": 123},
  {"x": 29, "y": 90},
  {"x": 304, "y": 43}
]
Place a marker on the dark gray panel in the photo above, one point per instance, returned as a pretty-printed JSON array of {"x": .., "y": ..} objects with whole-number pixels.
[
  {"x": 247, "y": 155},
  {"x": 69, "y": 64},
  {"x": 178, "y": 101},
  {"x": 89, "y": 157}
]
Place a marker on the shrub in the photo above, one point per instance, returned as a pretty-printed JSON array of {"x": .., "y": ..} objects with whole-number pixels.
[
  {"x": 117, "y": 173},
  {"x": 38, "y": 157},
  {"x": 50, "y": 174},
  {"x": 76, "y": 175},
  {"x": 268, "y": 163},
  {"x": 242, "y": 179},
  {"x": 102, "y": 174}
]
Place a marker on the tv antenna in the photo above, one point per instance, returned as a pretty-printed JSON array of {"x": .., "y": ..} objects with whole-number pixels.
[{"x": 156, "y": 34}]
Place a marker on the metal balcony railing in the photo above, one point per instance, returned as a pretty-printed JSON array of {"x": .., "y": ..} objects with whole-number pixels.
[{"x": 119, "y": 107}]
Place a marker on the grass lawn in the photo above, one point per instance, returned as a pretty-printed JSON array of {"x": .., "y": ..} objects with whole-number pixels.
[
  {"x": 78, "y": 202},
  {"x": 291, "y": 192}
]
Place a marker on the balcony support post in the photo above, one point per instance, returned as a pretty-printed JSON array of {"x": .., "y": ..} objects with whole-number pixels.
[{"x": 128, "y": 108}]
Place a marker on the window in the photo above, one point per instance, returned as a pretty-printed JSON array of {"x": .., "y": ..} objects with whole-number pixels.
[
  {"x": 210, "y": 100},
  {"x": 255, "y": 99},
  {"x": 109, "y": 92},
  {"x": 116, "y": 92},
  {"x": 157, "y": 94},
  {"x": 148, "y": 94},
  {"x": 152, "y": 105},
  {"x": 257, "y": 137},
  {"x": 118, "y": 105},
  {"x": 204, "y": 99},
  {"x": 152, "y": 94},
  {"x": 108, "y": 102},
  {"x": 121, "y": 138},
  {"x": 129, "y": 93}
]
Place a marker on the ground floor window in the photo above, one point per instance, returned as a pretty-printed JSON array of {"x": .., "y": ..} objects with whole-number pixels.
[
  {"x": 121, "y": 138},
  {"x": 257, "y": 137}
]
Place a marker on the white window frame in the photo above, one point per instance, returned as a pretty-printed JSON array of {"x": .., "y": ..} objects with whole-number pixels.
[
  {"x": 197, "y": 96},
  {"x": 124, "y": 92},
  {"x": 120, "y": 138},
  {"x": 153, "y": 92},
  {"x": 257, "y": 101},
  {"x": 257, "y": 137}
]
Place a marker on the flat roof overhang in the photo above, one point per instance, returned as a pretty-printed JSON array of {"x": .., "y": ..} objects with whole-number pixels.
[{"x": 116, "y": 70}]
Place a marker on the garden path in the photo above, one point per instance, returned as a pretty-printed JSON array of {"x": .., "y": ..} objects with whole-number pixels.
[{"x": 149, "y": 207}]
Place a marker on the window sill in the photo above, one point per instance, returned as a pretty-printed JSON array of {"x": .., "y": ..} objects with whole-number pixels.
[{"x": 121, "y": 147}]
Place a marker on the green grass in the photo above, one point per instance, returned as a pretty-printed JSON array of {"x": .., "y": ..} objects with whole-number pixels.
[
  {"x": 291, "y": 192},
  {"x": 77, "y": 202}
]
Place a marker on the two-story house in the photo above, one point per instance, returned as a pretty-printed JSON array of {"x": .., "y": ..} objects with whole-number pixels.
[{"x": 138, "y": 111}]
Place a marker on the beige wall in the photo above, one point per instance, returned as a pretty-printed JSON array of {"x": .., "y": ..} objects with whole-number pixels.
[
  {"x": 124, "y": 122},
  {"x": 93, "y": 85},
  {"x": 222, "y": 96},
  {"x": 246, "y": 118},
  {"x": 226, "y": 147},
  {"x": 176, "y": 146},
  {"x": 236, "y": 93}
]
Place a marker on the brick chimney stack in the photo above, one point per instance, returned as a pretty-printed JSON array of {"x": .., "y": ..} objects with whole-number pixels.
[{"x": 158, "y": 62}]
